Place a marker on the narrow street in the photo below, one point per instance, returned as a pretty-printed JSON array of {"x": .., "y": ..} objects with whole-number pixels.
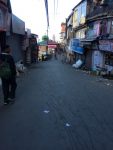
[{"x": 58, "y": 108}]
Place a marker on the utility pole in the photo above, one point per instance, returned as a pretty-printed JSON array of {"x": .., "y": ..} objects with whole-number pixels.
[
  {"x": 47, "y": 15},
  {"x": 47, "y": 38}
]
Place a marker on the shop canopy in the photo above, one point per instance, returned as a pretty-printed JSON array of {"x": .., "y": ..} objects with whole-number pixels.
[{"x": 75, "y": 46}]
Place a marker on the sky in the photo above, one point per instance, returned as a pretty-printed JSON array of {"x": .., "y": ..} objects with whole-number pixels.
[{"x": 34, "y": 14}]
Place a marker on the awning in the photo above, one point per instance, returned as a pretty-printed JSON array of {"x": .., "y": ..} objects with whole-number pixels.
[
  {"x": 52, "y": 46},
  {"x": 79, "y": 50},
  {"x": 74, "y": 46}
]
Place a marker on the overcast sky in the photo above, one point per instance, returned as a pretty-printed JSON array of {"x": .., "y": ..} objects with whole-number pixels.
[{"x": 34, "y": 15}]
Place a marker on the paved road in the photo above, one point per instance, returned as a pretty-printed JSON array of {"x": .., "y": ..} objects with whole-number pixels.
[{"x": 58, "y": 108}]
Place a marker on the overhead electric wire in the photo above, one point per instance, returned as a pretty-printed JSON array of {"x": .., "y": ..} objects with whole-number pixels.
[
  {"x": 57, "y": 7},
  {"x": 54, "y": 9}
]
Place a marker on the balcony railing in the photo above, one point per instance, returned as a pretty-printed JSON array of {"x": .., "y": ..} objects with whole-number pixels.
[
  {"x": 98, "y": 11},
  {"x": 105, "y": 10}
]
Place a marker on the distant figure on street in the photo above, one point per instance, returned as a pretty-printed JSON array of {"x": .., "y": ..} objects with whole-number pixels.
[
  {"x": 8, "y": 84},
  {"x": 56, "y": 52},
  {"x": 63, "y": 55}
]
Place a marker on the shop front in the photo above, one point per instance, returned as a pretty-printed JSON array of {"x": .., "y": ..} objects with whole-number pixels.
[
  {"x": 106, "y": 47},
  {"x": 88, "y": 45}
]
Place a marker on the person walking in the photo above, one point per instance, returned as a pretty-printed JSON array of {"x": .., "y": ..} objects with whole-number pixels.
[
  {"x": 8, "y": 84},
  {"x": 55, "y": 52}
]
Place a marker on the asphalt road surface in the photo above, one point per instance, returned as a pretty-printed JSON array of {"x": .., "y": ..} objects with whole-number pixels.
[{"x": 58, "y": 108}]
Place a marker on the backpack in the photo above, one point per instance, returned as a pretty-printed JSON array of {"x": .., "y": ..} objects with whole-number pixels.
[{"x": 5, "y": 71}]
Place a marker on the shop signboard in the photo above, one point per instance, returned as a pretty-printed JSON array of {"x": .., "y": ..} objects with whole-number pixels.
[{"x": 104, "y": 45}]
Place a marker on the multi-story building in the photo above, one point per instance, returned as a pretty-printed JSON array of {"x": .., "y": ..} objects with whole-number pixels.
[
  {"x": 76, "y": 29},
  {"x": 99, "y": 35},
  {"x": 91, "y": 21}
]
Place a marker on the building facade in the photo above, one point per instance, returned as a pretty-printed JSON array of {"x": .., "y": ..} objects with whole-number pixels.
[
  {"x": 99, "y": 35},
  {"x": 5, "y": 21}
]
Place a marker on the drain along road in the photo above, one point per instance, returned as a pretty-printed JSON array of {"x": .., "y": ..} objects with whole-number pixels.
[{"x": 58, "y": 108}]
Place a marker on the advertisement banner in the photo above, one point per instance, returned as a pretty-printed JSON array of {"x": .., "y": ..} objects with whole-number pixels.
[{"x": 106, "y": 45}]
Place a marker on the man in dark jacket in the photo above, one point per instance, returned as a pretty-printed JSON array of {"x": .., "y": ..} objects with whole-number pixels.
[{"x": 9, "y": 85}]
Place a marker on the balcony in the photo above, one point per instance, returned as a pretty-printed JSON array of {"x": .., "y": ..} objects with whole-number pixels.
[
  {"x": 101, "y": 11},
  {"x": 97, "y": 12}
]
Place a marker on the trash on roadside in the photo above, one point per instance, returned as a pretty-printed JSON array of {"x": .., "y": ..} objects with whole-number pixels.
[
  {"x": 77, "y": 64},
  {"x": 99, "y": 80},
  {"x": 20, "y": 67},
  {"x": 46, "y": 111},
  {"x": 67, "y": 125},
  {"x": 108, "y": 84}
]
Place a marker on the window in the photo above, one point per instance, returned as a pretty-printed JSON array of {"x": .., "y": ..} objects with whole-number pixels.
[
  {"x": 83, "y": 10},
  {"x": 103, "y": 27},
  {"x": 75, "y": 21}
]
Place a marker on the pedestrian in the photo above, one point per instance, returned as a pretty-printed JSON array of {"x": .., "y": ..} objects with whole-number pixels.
[
  {"x": 55, "y": 52},
  {"x": 63, "y": 54},
  {"x": 8, "y": 84}
]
